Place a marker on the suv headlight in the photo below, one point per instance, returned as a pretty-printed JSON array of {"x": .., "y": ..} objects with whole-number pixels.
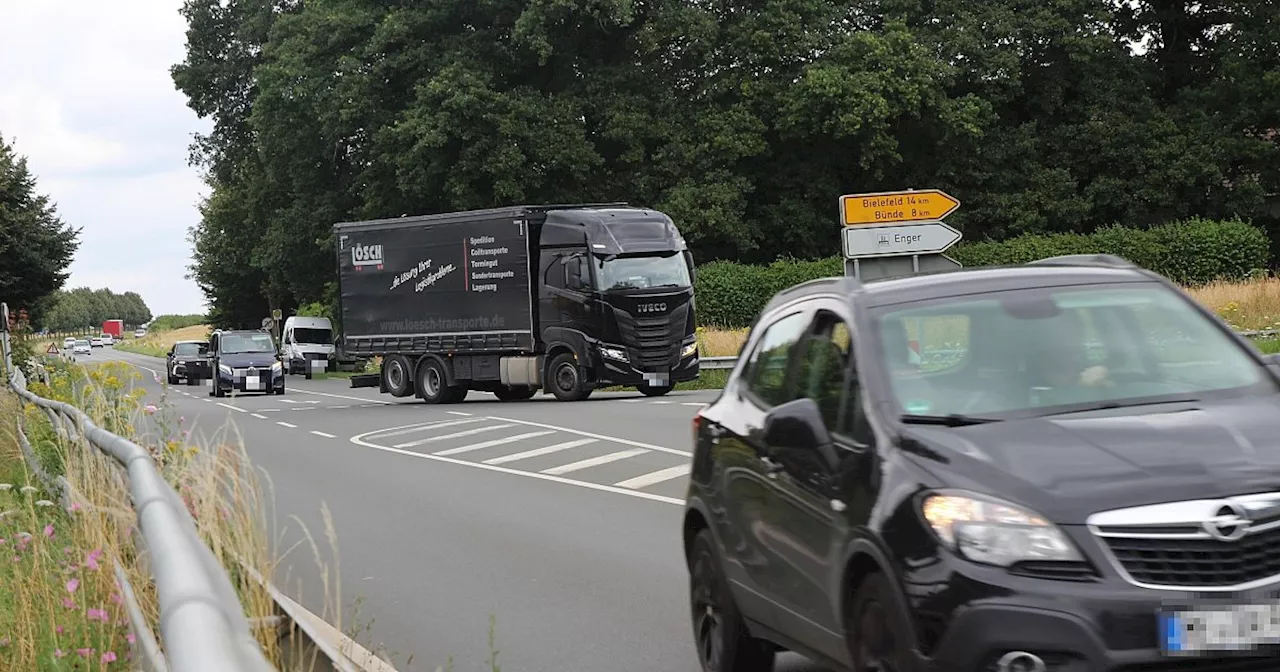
[
  {"x": 225, "y": 370},
  {"x": 996, "y": 533},
  {"x": 689, "y": 350}
]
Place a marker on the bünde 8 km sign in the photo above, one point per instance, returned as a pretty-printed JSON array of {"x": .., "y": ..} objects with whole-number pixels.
[{"x": 894, "y": 233}]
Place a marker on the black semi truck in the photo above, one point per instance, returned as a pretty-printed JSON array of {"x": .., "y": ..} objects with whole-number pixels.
[{"x": 559, "y": 298}]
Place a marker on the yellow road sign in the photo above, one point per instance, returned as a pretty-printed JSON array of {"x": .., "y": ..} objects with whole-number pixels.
[{"x": 890, "y": 207}]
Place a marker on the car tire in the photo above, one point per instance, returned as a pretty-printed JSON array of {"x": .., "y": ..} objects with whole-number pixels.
[
  {"x": 879, "y": 631},
  {"x": 508, "y": 393},
  {"x": 566, "y": 379},
  {"x": 398, "y": 376},
  {"x": 431, "y": 382},
  {"x": 654, "y": 391},
  {"x": 720, "y": 634}
]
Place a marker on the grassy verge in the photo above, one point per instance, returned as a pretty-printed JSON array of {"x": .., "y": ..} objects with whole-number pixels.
[
  {"x": 157, "y": 343},
  {"x": 60, "y": 608}
]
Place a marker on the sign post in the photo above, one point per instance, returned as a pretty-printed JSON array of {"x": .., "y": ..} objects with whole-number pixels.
[{"x": 897, "y": 233}]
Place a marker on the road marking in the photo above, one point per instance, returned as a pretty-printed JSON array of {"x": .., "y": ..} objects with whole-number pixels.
[
  {"x": 334, "y": 408},
  {"x": 602, "y": 437},
  {"x": 343, "y": 396},
  {"x": 259, "y": 416},
  {"x": 231, "y": 407},
  {"x": 207, "y": 401},
  {"x": 442, "y": 437},
  {"x": 269, "y": 410},
  {"x": 359, "y": 441},
  {"x": 425, "y": 426},
  {"x": 490, "y": 444},
  {"x": 327, "y": 436},
  {"x": 308, "y": 408},
  {"x": 538, "y": 452},
  {"x": 594, "y": 461},
  {"x": 662, "y": 402},
  {"x": 693, "y": 403},
  {"x": 631, "y": 401},
  {"x": 459, "y": 413},
  {"x": 285, "y": 424},
  {"x": 654, "y": 478}
]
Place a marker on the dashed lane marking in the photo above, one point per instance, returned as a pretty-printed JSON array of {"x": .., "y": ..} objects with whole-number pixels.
[
  {"x": 259, "y": 416},
  {"x": 324, "y": 434},
  {"x": 538, "y": 452},
  {"x": 656, "y": 477},
  {"x": 490, "y": 444},
  {"x": 594, "y": 462},
  {"x": 285, "y": 424}
]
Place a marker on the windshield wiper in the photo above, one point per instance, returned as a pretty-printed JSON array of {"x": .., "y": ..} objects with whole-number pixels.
[
  {"x": 950, "y": 420},
  {"x": 1113, "y": 405}
]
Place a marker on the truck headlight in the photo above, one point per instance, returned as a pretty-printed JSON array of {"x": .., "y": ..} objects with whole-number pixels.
[
  {"x": 689, "y": 350},
  {"x": 611, "y": 352},
  {"x": 995, "y": 533},
  {"x": 226, "y": 371}
]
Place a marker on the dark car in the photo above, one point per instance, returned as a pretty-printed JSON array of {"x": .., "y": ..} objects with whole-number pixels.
[
  {"x": 245, "y": 361},
  {"x": 189, "y": 361},
  {"x": 1067, "y": 466}
]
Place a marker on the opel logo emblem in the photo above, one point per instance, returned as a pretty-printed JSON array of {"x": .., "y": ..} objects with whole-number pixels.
[{"x": 1228, "y": 523}]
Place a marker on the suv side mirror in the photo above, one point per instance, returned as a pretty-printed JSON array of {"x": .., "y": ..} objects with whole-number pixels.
[
  {"x": 798, "y": 425},
  {"x": 170, "y": 352}
]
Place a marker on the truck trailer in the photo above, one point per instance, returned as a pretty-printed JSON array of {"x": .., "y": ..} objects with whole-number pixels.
[
  {"x": 113, "y": 327},
  {"x": 559, "y": 298}
]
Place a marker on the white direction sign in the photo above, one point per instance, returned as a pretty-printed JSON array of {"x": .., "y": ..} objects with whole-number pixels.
[{"x": 896, "y": 240}]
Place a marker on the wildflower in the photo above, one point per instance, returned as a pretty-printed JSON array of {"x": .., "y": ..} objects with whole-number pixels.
[
  {"x": 68, "y": 603},
  {"x": 91, "y": 560},
  {"x": 116, "y": 599},
  {"x": 67, "y": 550},
  {"x": 72, "y": 585},
  {"x": 48, "y": 530},
  {"x": 28, "y": 489},
  {"x": 109, "y": 657},
  {"x": 75, "y": 506},
  {"x": 43, "y": 502},
  {"x": 131, "y": 638},
  {"x": 59, "y": 653},
  {"x": 182, "y": 419},
  {"x": 4, "y": 641},
  {"x": 58, "y": 629},
  {"x": 85, "y": 653},
  {"x": 4, "y": 487},
  {"x": 149, "y": 409},
  {"x": 98, "y": 615}
]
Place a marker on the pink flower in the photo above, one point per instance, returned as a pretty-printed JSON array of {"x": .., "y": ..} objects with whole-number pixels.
[
  {"x": 48, "y": 530},
  {"x": 131, "y": 638},
  {"x": 72, "y": 585},
  {"x": 116, "y": 599},
  {"x": 150, "y": 409},
  {"x": 182, "y": 419},
  {"x": 84, "y": 653},
  {"x": 109, "y": 657},
  {"x": 4, "y": 641},
  {"x": 75, "y": 506},
  {"x": 91, "y": 560},
  {"x": 98, "y": 615},
  {"x": 59, "y": 653},
  {"x": 68, "y": 603},
  {"x": 67, "y": 550},
  {"x": 58, "y": 629}
]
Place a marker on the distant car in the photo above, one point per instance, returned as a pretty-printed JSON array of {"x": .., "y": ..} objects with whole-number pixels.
[
  {"x": 189, "y": 361},
  {"x": 69, "y": 343},
  {"x": 107, "y": 339},
  {"x": 82, "y": 347},
  {"x": 140, "y": 333},
  {"x": 95, "y": 342}
]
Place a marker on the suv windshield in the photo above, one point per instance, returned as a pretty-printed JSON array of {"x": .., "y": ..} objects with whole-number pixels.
[
  {"x": 668, "y": 270},
  {"x": 238, "y": 344},
  {"x": 1036, "y": 352},
  {"x": 190, "y": 349},
  {"x": 312, "y": 336}
]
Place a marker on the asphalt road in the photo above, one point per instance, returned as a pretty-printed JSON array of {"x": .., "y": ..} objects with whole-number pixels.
[{"x": 558, "y": 520}]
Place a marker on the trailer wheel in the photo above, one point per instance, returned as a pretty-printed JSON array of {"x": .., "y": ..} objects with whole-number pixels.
[
  {"x": 566, "y": 379},
  {"x": 395, "y": 372},
  {"x": 431, "y": 383}
]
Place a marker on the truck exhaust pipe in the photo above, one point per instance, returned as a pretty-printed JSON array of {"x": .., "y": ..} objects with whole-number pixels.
[{"x": 1020, "y": 661}]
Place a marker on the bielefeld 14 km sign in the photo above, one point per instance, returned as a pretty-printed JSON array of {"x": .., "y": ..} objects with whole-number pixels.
[
  {"x": 898, "y": 240},
  {"x": 889, "y": 207}
]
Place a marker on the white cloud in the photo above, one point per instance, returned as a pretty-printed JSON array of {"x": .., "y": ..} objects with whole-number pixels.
[{"x": 86, "y": 96}]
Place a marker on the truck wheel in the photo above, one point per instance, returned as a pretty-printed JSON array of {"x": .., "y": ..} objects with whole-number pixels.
[
  {"x": 566, "y": 379},
  {"x": 431, "y": 383},
  {"x": 654, "y": 391},
  {"x": 395, "y": 372},
  {"x": 508, "y": 393},
  {"x": 456, "y": 394}
]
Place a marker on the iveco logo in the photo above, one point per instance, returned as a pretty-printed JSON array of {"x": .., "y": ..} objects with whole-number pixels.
[
  {"x": 1228, "y": 523},
  {"x": 366, "y": 255},
  {"x": 652, "y": 308}
]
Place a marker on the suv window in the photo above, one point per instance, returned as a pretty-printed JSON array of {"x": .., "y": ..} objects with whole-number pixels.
[
  {"x": 767, "y": 368},
  {"x": 190, "y": 349},
  {"x": 822, "y": 372}
]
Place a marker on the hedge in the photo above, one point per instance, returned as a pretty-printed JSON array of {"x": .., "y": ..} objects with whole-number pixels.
[{"x": 1189, "y": 252}]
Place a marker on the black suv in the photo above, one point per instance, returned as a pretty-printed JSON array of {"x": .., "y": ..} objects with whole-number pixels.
[
  {"x": 1067, "y": 466},
  {"x": 188, "y": 360},
  {"x": 245, "y": 361}
]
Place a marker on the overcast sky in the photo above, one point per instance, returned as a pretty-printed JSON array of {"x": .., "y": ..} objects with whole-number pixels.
[{"x": 85, "y": 95}]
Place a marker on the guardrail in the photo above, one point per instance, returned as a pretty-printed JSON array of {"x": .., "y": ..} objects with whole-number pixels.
[{"x": 202, "y": 623}]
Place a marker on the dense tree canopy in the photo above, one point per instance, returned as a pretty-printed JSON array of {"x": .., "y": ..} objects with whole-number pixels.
[
  {"x": 36, "y": 246},
  {"x": 743, "y": 120},
  {"x": 83, "y": 308}
]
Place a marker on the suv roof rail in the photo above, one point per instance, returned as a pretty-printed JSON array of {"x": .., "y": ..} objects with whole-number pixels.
[
  {"x": 840, "y": 283},
  {"x": 1095, "y": 260}
]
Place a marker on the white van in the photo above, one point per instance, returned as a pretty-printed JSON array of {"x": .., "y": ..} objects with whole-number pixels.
[{"x": 306, "y": 342}]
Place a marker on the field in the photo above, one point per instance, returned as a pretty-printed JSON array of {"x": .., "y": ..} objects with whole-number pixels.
[{"x": 157, "y": 343}]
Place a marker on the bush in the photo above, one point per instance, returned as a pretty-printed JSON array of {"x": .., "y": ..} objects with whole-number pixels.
[{"x": 1191, "y": 252}]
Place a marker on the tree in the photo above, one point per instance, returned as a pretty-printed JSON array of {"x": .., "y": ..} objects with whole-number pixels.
[
  {"x": 36, "y": 246},
  {"x": 82, "y": 308}
]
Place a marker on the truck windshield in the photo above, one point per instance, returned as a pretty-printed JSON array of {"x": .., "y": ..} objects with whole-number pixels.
[
  {"x": 1036, "y": 352},
  {"x": 312, "y": 336},
  {"x": 238, "y": 344},
  {"x": 641, "y": 272}
]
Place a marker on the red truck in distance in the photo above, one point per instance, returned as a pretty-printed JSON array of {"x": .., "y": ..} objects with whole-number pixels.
[{"x": 113, "y": 327}]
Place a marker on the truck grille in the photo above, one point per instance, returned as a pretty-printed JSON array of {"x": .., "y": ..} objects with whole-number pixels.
[
  {"x": 1199, "y": 562},
  {"x": 653, "y": 343}
]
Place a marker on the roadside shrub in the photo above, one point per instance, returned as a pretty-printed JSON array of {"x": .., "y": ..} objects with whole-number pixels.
[{"x": 1191, "y": 252}]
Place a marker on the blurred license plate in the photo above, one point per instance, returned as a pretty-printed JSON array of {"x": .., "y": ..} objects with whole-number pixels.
[
  {"x": 655, "y": 378},
  {"x": 251, "y": 383},
  {"x": 1226, "y": 628}
]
